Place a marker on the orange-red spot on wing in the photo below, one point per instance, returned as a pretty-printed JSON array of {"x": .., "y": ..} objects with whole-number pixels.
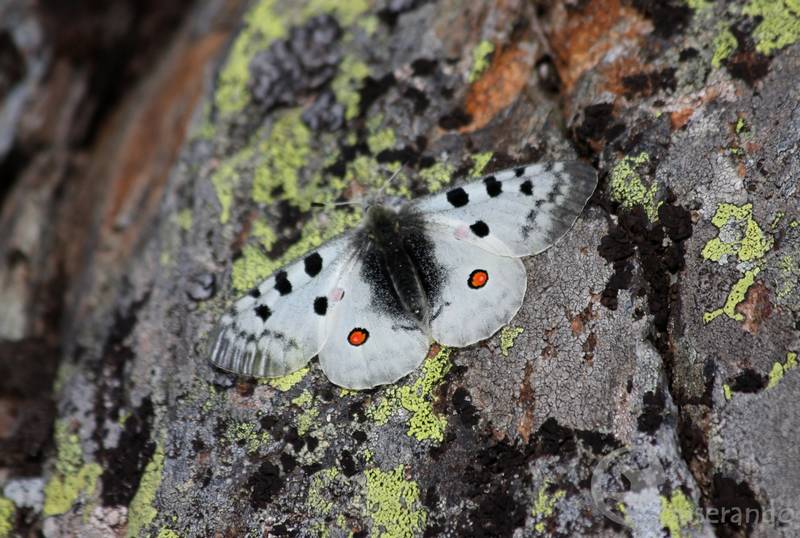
[
  {"x": 357, "y": 336},
  {"x": 478, "y": 279}
]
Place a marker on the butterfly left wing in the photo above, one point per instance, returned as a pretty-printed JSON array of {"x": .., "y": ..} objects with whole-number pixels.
[
  {"x": 516, "y": 212},
  {"x": 370, "y": 340},
  {"x": 280, "y": 324}
]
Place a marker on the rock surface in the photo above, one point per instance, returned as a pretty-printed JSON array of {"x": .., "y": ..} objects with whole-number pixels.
[{"x": 648, "y": 386}]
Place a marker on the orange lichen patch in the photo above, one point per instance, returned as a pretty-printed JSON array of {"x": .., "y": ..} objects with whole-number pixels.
[
  {"x": 583, "y": 37},
  {"x": 755, "y": 308},
  {"x": 148, "y": 138},
  {"x": 679, "y": 118},
  {"x": 498, "y": 87}
]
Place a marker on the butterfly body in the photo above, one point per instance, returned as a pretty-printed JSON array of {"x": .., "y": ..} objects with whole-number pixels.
[{"x": 444, "y": 267}]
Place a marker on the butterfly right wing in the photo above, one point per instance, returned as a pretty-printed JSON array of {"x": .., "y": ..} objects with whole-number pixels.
[
  {"x": 279, "y": 325},
  {"x": 370, "y": 340},
  {"x": 517, "y": 212}
]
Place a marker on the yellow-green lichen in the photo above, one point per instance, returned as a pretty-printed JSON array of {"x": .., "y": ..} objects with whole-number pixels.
[
  {"x": 255, "y": 265},
  {"x": 724, "y": 45},
  {"x": 481, "y": 58},
  {"x": 741, "y": 126},
  {"x": 164, "y": 532},
  {"x": 281, "y": 156},
  {"x": 72, "y": 477},
  {"x": 225, "y": 178},
  {"x": 479, "y": 162},
  {"x": 735, "y": 296},
  {"x": 347, "y": 82},
  {"x": 677, "y": 513},
  {"x": 544, "y": 505},
  {"x": 417, "y": 399},
  {"x": 789, "y": 271},
  {"x": 393, "y": 504},
  {"x": 379, "y": 139},
  {"x": 699, "y": 5},
  {"x": 779, "y": 370},
  {"x": 141, "y": 511},
  {"x": 629, "y": 190},
  {"x": 305, "y": 420},
  {"x": 248, "y": 435},
  {"x": 739, "y": 235},
  {"x": 346, "y": 13},
  {"x": 437, "y": 176},
  {"x": 319, "y": 491},
  {"x": 288, "y": 381},
  {"x": 264, "y": 233},
  {"x": 8, "y": 514},
  {"x": 727, "y": 391},
  {"x": 184, "y": 219},
  {"x": 507, "y": 337},
  {"x": 779, "y": 26},
  {"x": 262, "y": 25}
]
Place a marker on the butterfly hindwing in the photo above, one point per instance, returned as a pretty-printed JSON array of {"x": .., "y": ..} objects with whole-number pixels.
[
  {"x": 368, "y": 343},
  {"x": 479, "y": 292},
  {"x": 280, "y": 324},
  {"x": 516, "y": 212}
]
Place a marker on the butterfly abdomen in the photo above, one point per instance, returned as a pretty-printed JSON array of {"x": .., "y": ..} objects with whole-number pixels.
[{"x": 393, "y": 246}]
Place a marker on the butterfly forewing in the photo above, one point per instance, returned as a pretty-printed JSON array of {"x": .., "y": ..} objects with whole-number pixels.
[
  {"x": 280, "y": 324},
  {"x": 523, "y": 210}
]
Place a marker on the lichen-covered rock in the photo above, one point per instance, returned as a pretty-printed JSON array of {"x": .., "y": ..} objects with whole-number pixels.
[{"x": 648, "y": 384}]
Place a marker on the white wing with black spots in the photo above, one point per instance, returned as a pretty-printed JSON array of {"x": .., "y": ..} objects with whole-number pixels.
[
  {"x": 369, "y": 343},
  {"x": 516, "y": 212},
  {"x": 280, "y": 325}
]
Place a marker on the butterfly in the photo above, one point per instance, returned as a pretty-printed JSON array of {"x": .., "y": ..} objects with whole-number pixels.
[{"x": 445, "y": 268}]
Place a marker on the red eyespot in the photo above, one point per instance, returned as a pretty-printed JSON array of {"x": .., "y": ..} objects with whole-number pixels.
[
  {"x": 357, "y": 336},
  {"x": 478, "y": 279}
]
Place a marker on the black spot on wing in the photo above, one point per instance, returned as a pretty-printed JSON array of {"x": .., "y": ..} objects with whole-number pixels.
[
  {"x": 457, "y": 197},
  {"x": 282, "y": 283},
  {"x": 313, "y": 264},
  {"x": 263, "y": 312},
  {"x": 519, "y": 171},
  {"x": 480, "y": 228},
  {"x": 493, "y": 187},
  {"x": 321, "y": 305},
  {"x": 526, "y": 188}
]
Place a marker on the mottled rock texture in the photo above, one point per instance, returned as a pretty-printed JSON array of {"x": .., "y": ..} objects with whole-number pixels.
[{"x": 648, "y": 386}]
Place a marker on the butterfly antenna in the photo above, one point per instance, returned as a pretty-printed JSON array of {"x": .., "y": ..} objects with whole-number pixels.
[{"x": 389, "y": 181}]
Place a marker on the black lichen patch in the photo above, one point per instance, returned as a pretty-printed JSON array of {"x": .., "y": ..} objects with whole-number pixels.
[
  {"x": 292, "y": 67},
  {"x": 669, "y": 17},
  {"x": 647, "y": 84},
  {"x": 462, "y": 403},
  {"x": 553, "y": 439},
  {"x": 123, "y": 466},
  {"x": 746, "y": 63},
  {"x": 748, "y": 381},
  {"x": 348, "y": 464},
  {"x": 739, "y": 502},
  {"x": 288, "y": 463},
  {"x": 264, "y": 484},
  {"x": 455, "y": 119},
  {"x": 652, "y": 411},
  {"x": 373, "y": 89},
  {"x": 597, "y": 128},
  {"x": 423, "y": 67}
]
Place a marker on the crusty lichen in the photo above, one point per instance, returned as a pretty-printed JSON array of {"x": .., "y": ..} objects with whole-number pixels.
[
  {"x": 735, "y": 296},
  {"x": 629, "y": 190},
  {"x": 779, "y": 26},
  {"x": 724, "y": 45},
  {"x": 141, "y": 511},
  {"x": 247, "y": 434},
  {"x": 677, "y": 513},
  {"x": 393, "y": 503},
  {"x": 507, "y": 337},
  {"x": 417, "y": 398},
  {"x": 481, "y": 58},
  {"x": 479, "y": 162},
  {"x": 73, "y": 478},
  {"x": 7, "y": 517},
  {"x": 288, "y": 381},
  {"x": 544, "y": 506},
  {"x": 779, "y": 370},
  {"x": 739, "y": 235}
]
